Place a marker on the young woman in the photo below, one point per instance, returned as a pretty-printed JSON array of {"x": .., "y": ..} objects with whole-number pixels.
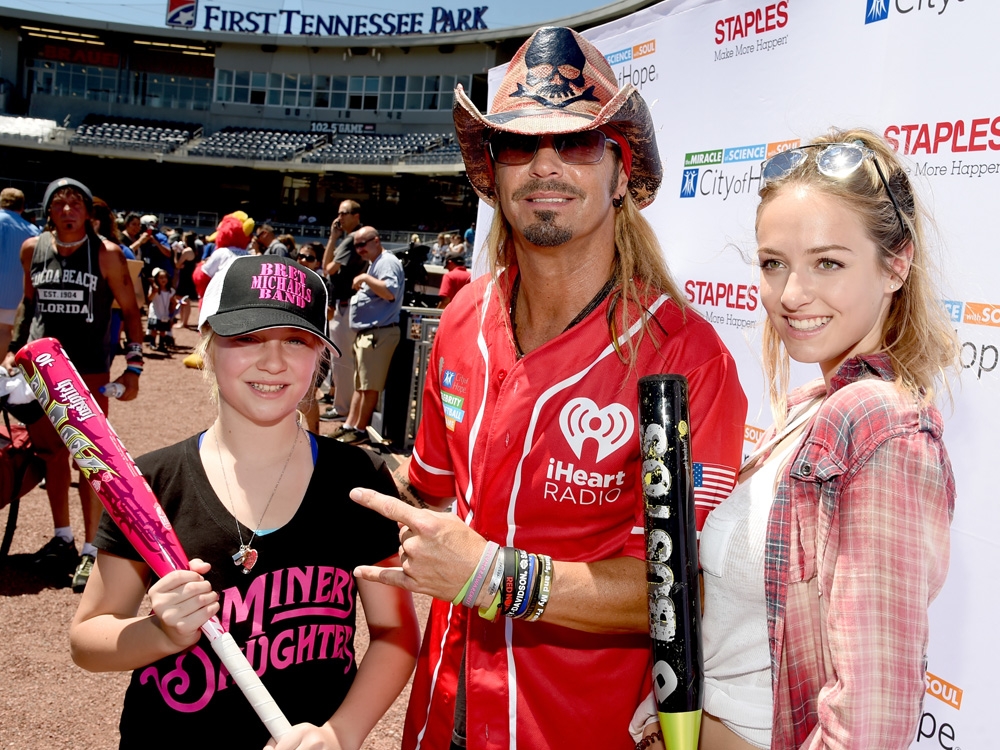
[
  {"x": 262, "y": 508},
  {"x": 820, "y": 567}
]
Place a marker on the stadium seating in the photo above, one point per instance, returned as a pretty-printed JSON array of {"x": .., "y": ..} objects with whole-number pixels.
[
  {"x": 142, "y": 135},
  {"x": 421, "y": 148},
  {"x": 257, "y": 144},
  {"x": 29, "y": 128}
]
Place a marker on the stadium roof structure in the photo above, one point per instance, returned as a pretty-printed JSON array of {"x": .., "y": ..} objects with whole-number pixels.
[{"x": 327, "y": 25}]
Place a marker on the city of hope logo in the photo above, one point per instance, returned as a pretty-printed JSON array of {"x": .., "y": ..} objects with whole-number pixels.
[{"x": 876, "y": 10}]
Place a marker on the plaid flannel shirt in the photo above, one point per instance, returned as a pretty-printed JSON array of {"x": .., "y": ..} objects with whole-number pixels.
[{"x": 858, "y": 545}]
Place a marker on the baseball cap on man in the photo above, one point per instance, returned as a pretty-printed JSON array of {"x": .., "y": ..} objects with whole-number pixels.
[
  {"x": 257, "y": 292},
  {"x": 67, "y": 182},
  {"x": 455, "y": 256},
  {"x": 558, "y": 82}
]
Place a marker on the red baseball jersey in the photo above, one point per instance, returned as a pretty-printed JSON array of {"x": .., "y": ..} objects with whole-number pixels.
[{"x": 542, "y": 453}]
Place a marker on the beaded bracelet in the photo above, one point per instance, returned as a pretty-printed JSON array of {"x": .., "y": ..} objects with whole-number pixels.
[{"x": 648, "y": 740}]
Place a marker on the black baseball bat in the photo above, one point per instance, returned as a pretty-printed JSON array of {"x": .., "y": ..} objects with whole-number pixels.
[{"x": 671, "y": 558}]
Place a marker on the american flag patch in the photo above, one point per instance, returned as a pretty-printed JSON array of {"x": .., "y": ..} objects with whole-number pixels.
[{"x": 712, "y": 484}]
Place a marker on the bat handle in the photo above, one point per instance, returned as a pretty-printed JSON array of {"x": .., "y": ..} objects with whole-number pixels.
[{"x": 246, "y": 679}]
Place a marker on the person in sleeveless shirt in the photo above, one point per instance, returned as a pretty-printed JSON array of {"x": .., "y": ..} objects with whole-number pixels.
[
  {"x": 820, "y": 567},
  {"x": 71, "y": 278}
]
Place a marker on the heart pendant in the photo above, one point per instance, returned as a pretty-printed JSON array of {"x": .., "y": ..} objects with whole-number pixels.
[{"x": 249, "y": 559}]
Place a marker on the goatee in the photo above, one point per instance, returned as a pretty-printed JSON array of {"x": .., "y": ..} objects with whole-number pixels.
[{"x": 545, "y": 232}]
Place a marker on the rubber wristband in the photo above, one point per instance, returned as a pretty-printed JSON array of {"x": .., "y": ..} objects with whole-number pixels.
[
  {"x": 509, "y": 579},
  {"x": 134, "y": 370},
  {"x": 479, "y": 576},
  {"x": 524, "y": 580},
  {"x": 461, "y": 594},
  {"x": 532, "y": 605},
  {"x": 544, "y": 591},
  {"x": 497, "y": 579},
  {"x": 490, "y": 612}
]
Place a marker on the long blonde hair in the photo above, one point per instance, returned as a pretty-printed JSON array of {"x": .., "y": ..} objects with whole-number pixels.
[
  {"x": 916, "y": 335},
  {"x": 639, "y": 271}
]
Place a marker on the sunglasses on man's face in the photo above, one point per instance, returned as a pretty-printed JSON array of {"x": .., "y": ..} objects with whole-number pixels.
[
  {"x": 513, "y": 149},
  {"x": 307, "y": 258},
  {"x": 362, "y": 243}
]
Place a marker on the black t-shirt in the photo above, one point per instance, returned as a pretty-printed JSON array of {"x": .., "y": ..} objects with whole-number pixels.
[
  {"x": 351, "y": 264},
  {"x": 293, "y": 616}
]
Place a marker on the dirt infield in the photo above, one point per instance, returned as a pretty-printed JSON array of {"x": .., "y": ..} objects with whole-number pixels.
[{"x": 46, "y": 701}]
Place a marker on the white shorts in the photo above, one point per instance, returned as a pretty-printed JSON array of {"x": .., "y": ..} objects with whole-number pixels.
[{"x": 7, "y": 316}]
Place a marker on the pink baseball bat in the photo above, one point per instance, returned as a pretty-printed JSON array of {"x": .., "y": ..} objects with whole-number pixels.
[{"x": 127, "y": 497}]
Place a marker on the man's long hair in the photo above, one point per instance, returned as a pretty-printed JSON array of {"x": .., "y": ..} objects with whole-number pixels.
[{"x": 640, "y": 273}]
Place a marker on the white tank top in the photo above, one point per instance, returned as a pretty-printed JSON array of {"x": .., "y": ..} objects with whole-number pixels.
[{"x": 738, "y": 688}]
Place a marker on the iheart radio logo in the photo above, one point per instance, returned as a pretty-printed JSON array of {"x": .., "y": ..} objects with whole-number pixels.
[{"x": 581, "y": 420}]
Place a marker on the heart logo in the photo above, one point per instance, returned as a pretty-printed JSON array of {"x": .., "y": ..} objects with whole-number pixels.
[{"x": 581, "y": 420}]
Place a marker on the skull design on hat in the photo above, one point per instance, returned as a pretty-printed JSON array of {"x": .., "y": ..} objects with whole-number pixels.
[{"x": 555, "y": 65}]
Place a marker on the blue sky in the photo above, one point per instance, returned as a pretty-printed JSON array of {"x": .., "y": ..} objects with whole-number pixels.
[{"x": 152, "y": 12}]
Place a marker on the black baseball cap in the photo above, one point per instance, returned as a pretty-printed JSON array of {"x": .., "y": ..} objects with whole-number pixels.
[
  {"x": 64, "y": 182},
  {"x": 256, "y": 292}
]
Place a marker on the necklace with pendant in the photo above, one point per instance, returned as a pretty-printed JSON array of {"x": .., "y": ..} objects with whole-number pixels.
[{"x": 247, "y": 555}]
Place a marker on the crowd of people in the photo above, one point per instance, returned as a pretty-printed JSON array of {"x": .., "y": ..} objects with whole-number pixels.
[{"x": 817, "y": 570}]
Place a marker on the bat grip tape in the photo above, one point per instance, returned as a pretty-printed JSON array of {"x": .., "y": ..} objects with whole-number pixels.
[{"x": 248, "y": 681}]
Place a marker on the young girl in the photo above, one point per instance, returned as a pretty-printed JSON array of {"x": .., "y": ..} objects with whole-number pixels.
[
  {"x": 162, "y": 300},
  {"x": 262, "y": 508},
  {"x": 820, "y": 567}
]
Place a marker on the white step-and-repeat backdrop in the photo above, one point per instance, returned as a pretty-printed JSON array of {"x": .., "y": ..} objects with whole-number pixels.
[{"x": 733, "y": 81}]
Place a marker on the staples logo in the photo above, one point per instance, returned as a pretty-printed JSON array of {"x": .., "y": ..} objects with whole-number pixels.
[
  {"x": 758, "y": 21},
  {"x": 721, "y": 294},
  {"x": 876, "y": 10},
  {"x": 979, "y": 134}
]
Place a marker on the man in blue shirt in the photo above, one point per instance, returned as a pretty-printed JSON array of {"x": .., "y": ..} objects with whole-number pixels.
[
  {"x": 14, "y": 230},
  {"x": 374, "y": 317}
]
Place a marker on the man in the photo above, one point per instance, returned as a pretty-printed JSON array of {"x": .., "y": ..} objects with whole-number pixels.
[
  {"x": 311, "y": 256},
  {"x": 455, "y": 277},
  {"x": 529, "y": 421},
  {"x": 269, "y": 243},
  {"x": 71, "y": 278},
  {"x": 470, "y": 235},
  {"x": 374, "y": 318},
  {"x": 154, "y": 250},
  {"x": 14, "y": 230},
  {"x": 342, "y": 264}
]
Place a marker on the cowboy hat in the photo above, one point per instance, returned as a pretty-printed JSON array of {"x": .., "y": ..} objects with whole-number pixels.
[{"x": 558, "y": 82}]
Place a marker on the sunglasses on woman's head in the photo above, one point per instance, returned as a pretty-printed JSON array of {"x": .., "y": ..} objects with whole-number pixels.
[
  {"x": 586, "y": 147},
  {"x": 834, "y": 160}
]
